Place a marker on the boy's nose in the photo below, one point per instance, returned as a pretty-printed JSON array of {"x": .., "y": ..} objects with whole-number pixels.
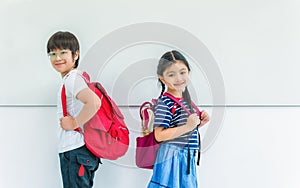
[{"x": 57, "y": 57}]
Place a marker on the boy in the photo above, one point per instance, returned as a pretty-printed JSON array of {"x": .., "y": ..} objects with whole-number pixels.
[{"x": 78, "y": 165}]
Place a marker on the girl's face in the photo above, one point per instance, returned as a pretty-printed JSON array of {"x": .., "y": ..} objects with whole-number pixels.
[
  {"x": 176, "y": 78},
  {"x": 62, "y": 60}
]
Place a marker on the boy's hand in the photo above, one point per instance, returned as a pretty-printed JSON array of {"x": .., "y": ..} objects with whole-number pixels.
[{"x": 68, "y": 123}]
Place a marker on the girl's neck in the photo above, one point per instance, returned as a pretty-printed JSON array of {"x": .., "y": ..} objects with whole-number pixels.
[{"x": 175, "y": 93}]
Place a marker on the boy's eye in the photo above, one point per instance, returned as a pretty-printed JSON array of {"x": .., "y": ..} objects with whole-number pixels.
[
  {"x": 52, "y": 54},
  {"x": 63, "y": 52}
]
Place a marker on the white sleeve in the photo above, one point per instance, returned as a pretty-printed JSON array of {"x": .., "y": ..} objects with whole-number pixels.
[{"x": 74, "y": 84}]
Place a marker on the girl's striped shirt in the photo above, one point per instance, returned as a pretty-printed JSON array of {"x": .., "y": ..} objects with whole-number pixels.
[{"x": 165, "y": 118}]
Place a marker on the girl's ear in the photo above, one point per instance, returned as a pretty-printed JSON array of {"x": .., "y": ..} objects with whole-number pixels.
[{"x": 162, "y": 79}]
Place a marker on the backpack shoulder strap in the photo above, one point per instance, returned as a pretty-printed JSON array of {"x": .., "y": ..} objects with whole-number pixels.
[
  {"x": 64, "y": 100},
  {"x": 183, "y": 106},
  {"x": 86, "y": 78},
  {"x": 64, "y": 105}
]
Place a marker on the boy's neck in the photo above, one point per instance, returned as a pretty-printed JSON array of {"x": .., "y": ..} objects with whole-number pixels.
[{"x": 63, "y": 74}]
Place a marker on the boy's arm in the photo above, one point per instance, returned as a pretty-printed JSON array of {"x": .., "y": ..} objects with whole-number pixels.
[{"x": 91, "y": 105}]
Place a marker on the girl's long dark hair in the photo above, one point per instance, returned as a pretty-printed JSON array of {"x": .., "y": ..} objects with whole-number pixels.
[{"x": 167, "y": 60}]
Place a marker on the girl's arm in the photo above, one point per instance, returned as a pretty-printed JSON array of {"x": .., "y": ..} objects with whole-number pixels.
[
  {"x": 164, "y": 134},
  {"x": 91, "y": 105},
  {"x": 204, "y": 118}
]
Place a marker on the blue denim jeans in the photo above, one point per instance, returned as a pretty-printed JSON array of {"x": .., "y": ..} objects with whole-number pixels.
[{"x": 78, "y": 168}]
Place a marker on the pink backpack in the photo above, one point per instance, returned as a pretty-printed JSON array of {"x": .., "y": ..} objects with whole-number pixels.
[
  {"x": 146, "y": 145},
  {"x": 105, "y": 134}
]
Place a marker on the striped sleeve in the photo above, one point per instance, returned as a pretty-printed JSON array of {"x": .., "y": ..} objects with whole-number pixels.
[{"x": 163, "y": 115}]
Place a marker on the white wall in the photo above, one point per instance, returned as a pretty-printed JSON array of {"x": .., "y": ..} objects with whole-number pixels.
[
  {"x": 257, "y": 147},
  {"x": 243, "y": 54}
]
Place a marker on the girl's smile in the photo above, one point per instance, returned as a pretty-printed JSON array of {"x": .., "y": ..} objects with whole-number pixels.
[{"x": 179, "y": 84}]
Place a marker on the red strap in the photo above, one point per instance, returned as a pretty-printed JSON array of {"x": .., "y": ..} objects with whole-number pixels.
[
  {"x": 64, "y": 100},
  {"x": 64, "y": 105},
  {"x": 144, "y": 106},
  {"x": 86, "y": 77},
  {"x": 196, "y": 108},
  {"x": 178, "y": 102}
]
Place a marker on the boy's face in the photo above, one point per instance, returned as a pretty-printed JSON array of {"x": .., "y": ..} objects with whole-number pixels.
[{"x": 62, "y": 60}]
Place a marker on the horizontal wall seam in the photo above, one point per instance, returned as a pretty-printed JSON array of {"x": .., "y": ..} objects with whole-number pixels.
[{"x": 137, "y": 106}]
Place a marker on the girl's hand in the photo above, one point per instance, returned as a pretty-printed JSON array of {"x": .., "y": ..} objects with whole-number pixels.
[
  {"x": 204, "y": 118},
  {"x": 68, "y": 123},
  {"x": 192, "y": 121}
]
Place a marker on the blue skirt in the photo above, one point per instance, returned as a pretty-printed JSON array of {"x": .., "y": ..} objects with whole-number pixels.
[{"x": 170, "y": 168}]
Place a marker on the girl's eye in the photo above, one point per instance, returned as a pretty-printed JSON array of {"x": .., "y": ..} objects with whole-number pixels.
[
  {"x": 170, "y": 75},
  {"x": 183, "y": 72}
]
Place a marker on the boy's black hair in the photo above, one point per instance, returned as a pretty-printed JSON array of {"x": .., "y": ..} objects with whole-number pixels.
[{"x": 64, "y": 40}]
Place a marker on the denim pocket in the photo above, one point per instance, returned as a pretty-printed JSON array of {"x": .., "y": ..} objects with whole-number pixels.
[
  {"x": 88, "y": 165},
  {"x": 87, "y": 160}
]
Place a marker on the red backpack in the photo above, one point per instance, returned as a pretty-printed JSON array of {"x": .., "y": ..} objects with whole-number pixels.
[{"x": 105, "y": 134}]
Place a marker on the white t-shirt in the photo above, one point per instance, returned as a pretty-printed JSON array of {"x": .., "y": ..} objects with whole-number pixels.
[{"x": 74, "y": 83}]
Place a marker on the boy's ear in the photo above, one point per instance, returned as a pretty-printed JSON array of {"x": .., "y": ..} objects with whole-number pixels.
[{"x": 76, "y": 55}]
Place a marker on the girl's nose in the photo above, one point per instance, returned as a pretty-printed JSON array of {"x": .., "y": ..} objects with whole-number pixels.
[{"x": 178, "y": 77}]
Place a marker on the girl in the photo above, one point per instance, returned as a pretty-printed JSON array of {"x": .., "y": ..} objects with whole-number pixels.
[
  {"x": 175, "y": 161},
  {"x": 78, "y": 165}
]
